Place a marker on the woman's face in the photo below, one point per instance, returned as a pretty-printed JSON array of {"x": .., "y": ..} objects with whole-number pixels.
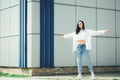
[{"x": 80, "y": 25}]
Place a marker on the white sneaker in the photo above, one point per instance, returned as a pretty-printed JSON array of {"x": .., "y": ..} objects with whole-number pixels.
[
  {"x": 93, "y": 77},
  {"x": 79, "y": 77}
]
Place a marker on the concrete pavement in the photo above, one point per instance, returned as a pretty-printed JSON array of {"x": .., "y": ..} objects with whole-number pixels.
[{"x": 99, "y": 76}]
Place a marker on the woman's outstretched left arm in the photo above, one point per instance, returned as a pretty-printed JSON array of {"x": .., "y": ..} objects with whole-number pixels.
[{"x": 99, "y": 32}]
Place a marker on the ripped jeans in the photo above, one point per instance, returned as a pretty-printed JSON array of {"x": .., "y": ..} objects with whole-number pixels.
[{"x": 81, "y": 50}]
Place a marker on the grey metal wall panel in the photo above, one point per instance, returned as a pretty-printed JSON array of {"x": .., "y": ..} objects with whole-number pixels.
[
  {"x": 33, "y": 17},
  {"x": 88, "y": 15},
  {"x": 36, "y": 17},
  {"x": 0, "y": 4},
  {"x": 63, "y": 55},
  {"x": 0, "y": 23},
  {"x": 14, "y": 21},
  {"x": 13, "y": 2},
  {"x": 118, "y": 52},
  {"x": 8, "y": 27},
  {"x": 0, "y": 33},
  {"x": 0, "y": 53},
  {"x": 118, "y": 23},
  {"x": 118, "y": 4},
  {"x": 106, "y": 20},
  {"x": 5, "y": 52},
  {"x": 33, "y": 59},
  {"x": 108, "y": 4},
  {"x": 29, "y": 18},
  {"x": 29, "y": 51},
  {"x": 90, "y": 3},
  {"x": 5, "y": 4},
  {"x": 14, "y": 51},
  {"x": 35, "y": 50},
  {"x": 106, "y": 51},
  {"x": 5, "y": 23},
  {"x": 64, "y": 19},
  {"x": 65, "y": 1}
]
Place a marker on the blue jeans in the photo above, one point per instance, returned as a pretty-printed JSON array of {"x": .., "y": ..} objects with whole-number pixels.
[{"x": 81, "y": 50}]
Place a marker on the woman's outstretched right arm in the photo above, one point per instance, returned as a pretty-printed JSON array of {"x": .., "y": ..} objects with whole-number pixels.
[{"x": 70, "y": 35}]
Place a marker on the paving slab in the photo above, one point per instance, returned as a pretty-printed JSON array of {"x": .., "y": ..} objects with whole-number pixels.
[{"x": 99, "y": 76}]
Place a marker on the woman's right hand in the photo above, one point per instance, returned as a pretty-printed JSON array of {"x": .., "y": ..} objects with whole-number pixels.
[
  {"x": 62, "y": 37},
  {"x": 106, "y": 30}
]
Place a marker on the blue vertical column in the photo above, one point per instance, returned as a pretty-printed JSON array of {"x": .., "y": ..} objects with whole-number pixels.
[
  {"x": 52, "y": 33},
  {"x": 47, "y": 26},
  {"x": 42, "y": 33},
  {"x": 47, "y": 33},
  {"x": 23, "y": 34}
]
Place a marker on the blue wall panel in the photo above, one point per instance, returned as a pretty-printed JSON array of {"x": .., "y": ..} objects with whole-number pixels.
[
  {"x": 47, "y": 33},
  {"x": 23, "y": 34}
]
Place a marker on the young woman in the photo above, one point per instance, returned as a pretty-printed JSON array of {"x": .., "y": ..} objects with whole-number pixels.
[{"x": 82, "y": 45}]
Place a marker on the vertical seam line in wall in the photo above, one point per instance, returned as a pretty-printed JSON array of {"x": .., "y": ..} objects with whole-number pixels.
[
  {"x": 115, "y": 38},
  {"x": 9, "y": 31},
  {"x": 18, "y": 33},
  {"x": 96, "y": 37},
  {"x": 25, "y": 33},
  {"x": 75, "y": 25},
  {"x": 0, "y": 36}
]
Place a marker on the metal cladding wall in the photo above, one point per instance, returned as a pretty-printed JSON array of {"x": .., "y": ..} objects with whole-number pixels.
[
  {"x": 97, "y": 15},
  {"x": 10, "y": 53},
  {"x": 47, "y": 33},
  {"x": 52, "y": 51},
  {"x": 23, "y": 34},
  {"x": 9, "y": 34},
  {"x": 40, "y": 33},
  {"x": 33, "y": 33}
]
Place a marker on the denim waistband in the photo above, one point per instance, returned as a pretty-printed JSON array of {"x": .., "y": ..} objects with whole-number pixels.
[{"x": 81, "y": 44}]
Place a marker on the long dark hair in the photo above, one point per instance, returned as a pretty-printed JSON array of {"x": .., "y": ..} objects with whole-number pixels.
[{"x": 78, "y": 29}]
